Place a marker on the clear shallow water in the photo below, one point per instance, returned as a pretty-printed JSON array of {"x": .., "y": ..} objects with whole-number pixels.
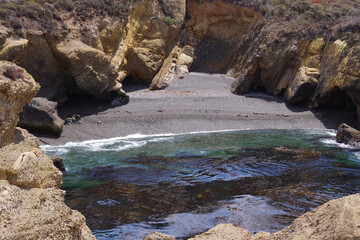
[{"x": 185, "y": 184}]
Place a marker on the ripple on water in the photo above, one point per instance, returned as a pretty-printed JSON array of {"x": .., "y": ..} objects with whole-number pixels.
[{"x": 185, "y": 184}]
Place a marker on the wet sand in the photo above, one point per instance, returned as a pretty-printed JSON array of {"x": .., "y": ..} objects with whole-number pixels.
[{"x": 200, "y": 102}]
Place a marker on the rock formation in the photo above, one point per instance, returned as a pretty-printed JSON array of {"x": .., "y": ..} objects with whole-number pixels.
[
  {"x": 307, "y": 51},
  {"x": 336, "y": 219},
  {"x": 31, "y": 203},
  {"x": 348, "y": 135},
  {"x": 41, "y": 115}
]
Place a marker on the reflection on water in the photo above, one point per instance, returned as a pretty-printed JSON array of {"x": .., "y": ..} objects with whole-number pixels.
[{"x": 184, "y": 185}]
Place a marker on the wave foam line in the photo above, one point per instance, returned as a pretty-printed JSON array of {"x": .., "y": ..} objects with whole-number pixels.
[{"x": 137, "y": 136}]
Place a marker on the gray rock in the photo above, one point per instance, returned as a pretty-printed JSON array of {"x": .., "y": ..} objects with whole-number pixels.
[{"x": 41, "y": 115}]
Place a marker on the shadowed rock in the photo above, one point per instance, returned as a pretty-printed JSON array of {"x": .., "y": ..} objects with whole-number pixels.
[
  {"x": 41, "y": 115},
  {"x": 348, "y": 135}
]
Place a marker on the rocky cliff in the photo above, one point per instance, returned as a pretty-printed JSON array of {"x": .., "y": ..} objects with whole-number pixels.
[
  {"x": 306, "y": 51},
  {"x": 31, "y": 203}
]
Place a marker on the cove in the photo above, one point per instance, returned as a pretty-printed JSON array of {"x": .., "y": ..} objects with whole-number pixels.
[{"x": 185, "y": 184}]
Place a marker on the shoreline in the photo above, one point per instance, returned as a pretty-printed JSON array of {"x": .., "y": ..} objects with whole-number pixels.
[{"x": 199, "y": 102}]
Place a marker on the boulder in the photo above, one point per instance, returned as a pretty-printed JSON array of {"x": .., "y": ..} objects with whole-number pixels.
[
  {"x": 336, "y": 219},
  {"x": 224, "y": 232},
  {"x": 91, "y": 68},
  {"x": 17, "y": 87},
  {"x": 158, "y": 236},
  {"x": 41, "y": 115},
  {"x": 38, "y": 213},
  {"x": 348, "y": 135},
  {"x": 23, "y": 164}
]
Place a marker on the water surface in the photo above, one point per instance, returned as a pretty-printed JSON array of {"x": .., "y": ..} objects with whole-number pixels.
[{"x": 185, "y": 184}]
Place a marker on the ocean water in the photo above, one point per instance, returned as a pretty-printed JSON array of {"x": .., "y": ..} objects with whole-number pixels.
[{"x": 185, "y": 184}]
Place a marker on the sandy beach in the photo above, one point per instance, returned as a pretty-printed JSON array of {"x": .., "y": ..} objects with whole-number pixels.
[{"x": 199, "y": 102}]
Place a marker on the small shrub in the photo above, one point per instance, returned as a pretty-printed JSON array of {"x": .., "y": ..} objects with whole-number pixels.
[{"x": 168, "y": 20}]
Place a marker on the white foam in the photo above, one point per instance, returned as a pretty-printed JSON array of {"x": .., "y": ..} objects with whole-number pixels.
[
  {"x": 333, "y": 142},
  {"x": 126, "y": 142}
]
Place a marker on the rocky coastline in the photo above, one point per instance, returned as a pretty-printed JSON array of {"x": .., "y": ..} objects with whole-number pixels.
[{"x": 306, "y": 52}]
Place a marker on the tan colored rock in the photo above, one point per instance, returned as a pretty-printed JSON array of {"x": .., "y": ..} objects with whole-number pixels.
[
  {"x": 329, "y": 80},
  {"x": 24, "y": 165},
  {"x": 152, "y": 29},
  {"x": 224, "y": 232},
  {"x": 38, "y": 214},
  {"x": 35, "y": 55},
  {"x": 158, "y": 236},
  {"x": 336, "y": 219},
  {"x": 17, "y": 88},
  {"x": 91, "y": 68}
]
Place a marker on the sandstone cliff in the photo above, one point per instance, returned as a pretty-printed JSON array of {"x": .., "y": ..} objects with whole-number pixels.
[
  {"x": 306, "y": 50},
  {"x": 31, "y": 203}
]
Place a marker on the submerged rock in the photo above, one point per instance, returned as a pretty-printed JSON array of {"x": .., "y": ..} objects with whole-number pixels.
[
  {"x": 41, "y": 115},
  {"x": 348, "y": 135}
]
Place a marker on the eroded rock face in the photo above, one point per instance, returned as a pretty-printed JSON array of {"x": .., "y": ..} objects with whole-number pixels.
[
  {"x": 38, "y": 213},
  {"x": 17, "y": 87},
  {"x": 31, "y": 203},
  {"x": 151, "y": 33},
  {"x": 305, "y": 52}
]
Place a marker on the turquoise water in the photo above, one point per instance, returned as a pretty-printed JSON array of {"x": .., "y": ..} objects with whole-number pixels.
[{"x": 185, "y": 184}]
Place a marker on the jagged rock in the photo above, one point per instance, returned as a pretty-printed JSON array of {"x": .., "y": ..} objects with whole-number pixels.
[
  {"x": 336, "y": 219},
  {"x": 348, "y": 135},
  {"x": 24, "y": 165},
  {"x": 41, "y": 115},
  {"x": 58, "y": 162},
  {"x": 224, "y": 232},
  {"x": 159, "y": 236},
  {"x": 16, "y": 89},
  {"x": 31, "y": 203},
  {"x": 152, "y": 30},
  {"x": 306, "y": 78},
  {"x": 91, "y": 68},
  {"x": 38, "y": 214},
  {"x": 35, "y": 55}
]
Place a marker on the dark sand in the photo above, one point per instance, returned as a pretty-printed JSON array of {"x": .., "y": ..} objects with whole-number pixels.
[{"x": 200, "y": 102}]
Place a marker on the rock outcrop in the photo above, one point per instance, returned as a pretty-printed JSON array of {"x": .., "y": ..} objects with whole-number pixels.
[
  {"x": 348, "y": 135},
  {"x": 41, "y": 115},
  {"x": 31, "y": 203},
  {"x": 17, "y": 87},
  {"x": 336, "y": 219}
]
